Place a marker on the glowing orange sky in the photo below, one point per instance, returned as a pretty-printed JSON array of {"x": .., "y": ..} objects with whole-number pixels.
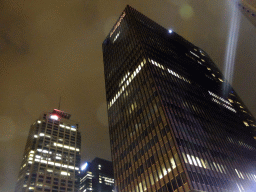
[{"x": 52, "y": 48}]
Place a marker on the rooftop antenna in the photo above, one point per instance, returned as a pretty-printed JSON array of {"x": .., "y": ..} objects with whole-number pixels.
[{"x": 59, "y": 103}]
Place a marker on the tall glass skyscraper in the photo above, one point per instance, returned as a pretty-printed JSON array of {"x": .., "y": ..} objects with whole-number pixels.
[
  {"x": 51, "y": 158},
  {"x": 175, "y": 124}
]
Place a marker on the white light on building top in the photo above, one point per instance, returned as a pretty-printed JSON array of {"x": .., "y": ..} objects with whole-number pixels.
[
  {"x": 84, "y": 166},
  {"x": 54, "y": 117}
]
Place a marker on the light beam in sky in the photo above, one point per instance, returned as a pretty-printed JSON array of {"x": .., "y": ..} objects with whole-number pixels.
[{"x": 231, "y": 45}]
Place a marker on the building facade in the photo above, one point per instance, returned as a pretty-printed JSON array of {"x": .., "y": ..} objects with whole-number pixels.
[
  {"x": 97, "y": 176},
  {"x": 175, "y": 124},
  {"x": 51, "y": 158}
]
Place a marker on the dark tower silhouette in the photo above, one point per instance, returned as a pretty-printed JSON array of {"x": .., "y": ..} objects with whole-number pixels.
[{"x": 171, "y": 126}]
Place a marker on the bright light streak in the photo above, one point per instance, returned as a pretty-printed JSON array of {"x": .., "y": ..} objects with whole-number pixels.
[
  {"x": 55, "y": 117},
  {"x": 170, "y": 31},
  {"x": 231, "y": 44},
  {"x": 84, "y": 166}
]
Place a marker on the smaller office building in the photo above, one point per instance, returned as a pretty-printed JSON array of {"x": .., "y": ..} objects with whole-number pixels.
[{"x": 97, "y": 176}]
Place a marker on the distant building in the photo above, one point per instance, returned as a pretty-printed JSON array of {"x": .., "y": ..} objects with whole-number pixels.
[
  {"x": 97, "y": 176},
  {"x": 51, "y": 157},
  {"x": 248, "y": 8},
  {"x": 175, "y": 123}
]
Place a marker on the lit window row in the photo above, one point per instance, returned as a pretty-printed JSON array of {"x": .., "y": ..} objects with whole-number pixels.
[
  {"x": 156, "y": 64},
  {"x": 66, "y": 146},
  {"x": 220, "y": 80},
  {"x": 30, "y": 157},
  {"x": 193, "y": 160},
  {"x": 56, "y": 164},
  {"x": 127, "y": 82},
  {"x": 220, "y": 98},
  {"x": 117, "y": 35},
  {"x": 72, "y": 128},
  {"x": 246, "y": 124},
  {"x": 41, "y": 135},
  {"x": 250, "y": 176},
  {"x": 244, "y": 144},
  {"x": 107, "y": 179},
  {"x": 38, "y": 157},
  {"x": 202, "y": 53},
  {"x": 82, "y": 187},
  {"x": 230, "y": 108},
  {"x": 169, "y": 70},
  {"x": 241, "y": 143},
  {"x": 240, "y": 187},
  {"x": 88, "y": 175},
  {"x": 124, "y": 78},
  {"x": 239, "y": 173},
  {"x": 194, "y": 58},
  {"x": 65, "y": 173},
  {"x": 179, "y": 76},
  {"x": 44, "y": 151},
  {"x": 194, "y": 54}
]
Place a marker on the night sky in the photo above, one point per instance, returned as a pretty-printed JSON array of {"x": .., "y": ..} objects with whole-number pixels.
[{"x": 52, "y": 48}]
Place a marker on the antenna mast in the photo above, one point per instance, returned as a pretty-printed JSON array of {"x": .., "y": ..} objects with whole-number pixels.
[{"x": 59, "y": 103}]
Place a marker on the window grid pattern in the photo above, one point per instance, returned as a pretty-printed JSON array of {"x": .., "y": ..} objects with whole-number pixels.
[
  {"x": 167, "y": 132},
  {"x": 51, "y": 159}
]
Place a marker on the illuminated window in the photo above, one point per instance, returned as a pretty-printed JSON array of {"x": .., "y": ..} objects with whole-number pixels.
[
  {"x": 54, "y": 117},
  {"x": 246, "y": 124},
  {"x": 189, "y": 159},
  {"x": 117, "y": 35},
  {"x": 194, "y": 54},
  {"x": 198, "y": 161},
  {"x": 126, "y": 83},
  {"x": 202, "y": 53},
  {"x": 220, "y": 80}
]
